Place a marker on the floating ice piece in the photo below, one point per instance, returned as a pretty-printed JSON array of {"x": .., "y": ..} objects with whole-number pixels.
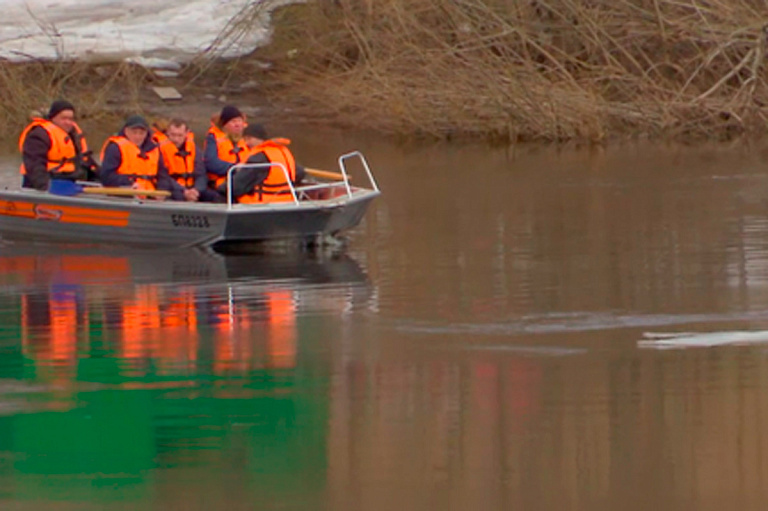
[{"x": 702, "y": 340}]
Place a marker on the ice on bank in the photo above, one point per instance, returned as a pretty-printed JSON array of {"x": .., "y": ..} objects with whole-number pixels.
[{"x": 157, "y": 33}]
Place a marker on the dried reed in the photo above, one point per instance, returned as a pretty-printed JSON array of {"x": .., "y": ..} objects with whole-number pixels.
[
  {"x": 526, "y": 69},
  {"x": 27, "y": 89}
]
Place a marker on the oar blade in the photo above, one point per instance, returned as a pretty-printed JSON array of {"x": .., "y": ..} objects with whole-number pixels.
[{"x": 64, "y": 187}]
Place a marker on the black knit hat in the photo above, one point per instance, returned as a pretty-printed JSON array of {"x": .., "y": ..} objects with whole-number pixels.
[
  {"x": 59, "y": 106},
  {"x": 136, "y": 121},
  {"x": 256, "y": 130},
  {"x": 228, "y": 113}
]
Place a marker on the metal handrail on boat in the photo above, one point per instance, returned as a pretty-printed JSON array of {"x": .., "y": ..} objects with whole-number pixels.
[
  {"x": 343, "y": 168},
  {"x": 318, "y": 186},
  {"x": 239, "y": 166}
]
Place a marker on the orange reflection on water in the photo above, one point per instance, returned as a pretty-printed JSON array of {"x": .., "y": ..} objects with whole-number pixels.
[
  {"x": 233, "y": 349},
  {"x": 140, "y": 322},
  {"x": 248, "y": 338},
  {"x": 145, "y": 322},
  {"x": 179, "y": 322},
  {"x": 281, "y": 321},
  {"x": 63, "y": 324},
  {"x": 161, "y": 326}
]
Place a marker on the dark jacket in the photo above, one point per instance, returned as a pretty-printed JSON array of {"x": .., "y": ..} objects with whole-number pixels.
[
  {"x": 213, "y": 164},
  {"x": 35, "y": 157},
  {"x": 245, "y": 180},
  {"x": 113, "y": 158}
]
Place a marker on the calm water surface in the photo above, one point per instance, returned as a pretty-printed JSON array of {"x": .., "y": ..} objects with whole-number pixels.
[{"x": 530, "y": 328}]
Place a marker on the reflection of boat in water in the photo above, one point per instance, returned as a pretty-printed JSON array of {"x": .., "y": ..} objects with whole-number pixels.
[
  {"x": 241, "y": 311},
  {"x": 23, "y": 264},
  {"x": 317, "y": 211},
  {"x": 297, "y": 266}
]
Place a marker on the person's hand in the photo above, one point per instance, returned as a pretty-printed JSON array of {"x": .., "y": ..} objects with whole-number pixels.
[{"x": 191, "y": 195}]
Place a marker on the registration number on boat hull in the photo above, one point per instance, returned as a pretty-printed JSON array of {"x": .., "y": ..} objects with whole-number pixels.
[{"x": 194, "y": 221}]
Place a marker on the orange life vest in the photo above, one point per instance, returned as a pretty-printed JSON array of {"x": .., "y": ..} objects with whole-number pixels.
[
  {"x": 227, "y": 151},
  {"x": 274, "y": 188},
  {"x": 62, "y": 153},
  {"x": 158, "y": 137},
  {"x": 134, "y": 162},
  {"x": 180, "y": 162}
]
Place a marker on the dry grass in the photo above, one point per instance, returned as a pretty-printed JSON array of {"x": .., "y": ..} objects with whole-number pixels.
[
  {"x": 28, "y": 88},
  {"x": 526, "y": 69}
]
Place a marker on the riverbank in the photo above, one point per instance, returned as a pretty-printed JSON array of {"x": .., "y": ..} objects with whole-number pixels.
[
  {"x": 538, "y": 71},
  {"x": 105, "y": 58},
  {"x": 105, "y": 93}
]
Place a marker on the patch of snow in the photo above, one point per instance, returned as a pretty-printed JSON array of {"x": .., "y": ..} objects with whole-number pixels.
[{"x": 150, "y": 32}]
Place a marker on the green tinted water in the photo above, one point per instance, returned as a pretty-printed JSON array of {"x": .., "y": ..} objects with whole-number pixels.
[{"x": 114, "y": 390}]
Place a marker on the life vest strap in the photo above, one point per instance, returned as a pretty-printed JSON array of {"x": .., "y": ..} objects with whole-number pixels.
[
  {"x": 61, "y": 163},
  {"x": 274, "y": 185}
]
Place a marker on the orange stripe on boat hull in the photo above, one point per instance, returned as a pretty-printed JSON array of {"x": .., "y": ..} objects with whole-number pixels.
[{"x": 65, "y": 214}]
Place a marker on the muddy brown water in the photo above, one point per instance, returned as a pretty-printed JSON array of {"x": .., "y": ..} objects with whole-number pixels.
[{"x": 530, "y": 328}]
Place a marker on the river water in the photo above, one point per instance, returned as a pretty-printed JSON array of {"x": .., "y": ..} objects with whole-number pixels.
[{"x": 535, "y": 327}]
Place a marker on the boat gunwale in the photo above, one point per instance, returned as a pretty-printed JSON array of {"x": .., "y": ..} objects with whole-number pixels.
[{"x": 358, "y": 194}]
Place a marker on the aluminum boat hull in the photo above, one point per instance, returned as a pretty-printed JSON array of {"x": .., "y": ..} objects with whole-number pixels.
[{"x": 39, "y": 216}]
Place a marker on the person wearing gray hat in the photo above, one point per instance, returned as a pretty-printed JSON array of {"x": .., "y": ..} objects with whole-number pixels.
[
  {"x": 132, "y": 159},
  {"x": 55, "y": 148},
  {"x": 136, "y": 121}
]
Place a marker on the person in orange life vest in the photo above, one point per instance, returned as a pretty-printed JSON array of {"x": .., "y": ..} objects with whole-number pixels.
[
  {"x": 55, "y": 147},
  {"x": 224, "y": 145},
  {"x": 157, "y": 129},
  {"x": 184, "y": 161},
  {"x": 266, "y": 184},
  {"x": 132, "y": 159}
]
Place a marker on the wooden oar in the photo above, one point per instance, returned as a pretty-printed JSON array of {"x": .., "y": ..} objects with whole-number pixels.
[
  {"x": 70, "y": 188},
  {"x": 325, "y": 173},
  {"x": 105, "y": 190}
]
